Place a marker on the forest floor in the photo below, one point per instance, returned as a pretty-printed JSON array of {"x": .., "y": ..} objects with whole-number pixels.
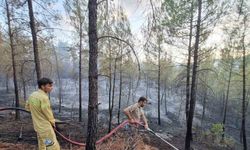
[{"x": 19, "y": 135}]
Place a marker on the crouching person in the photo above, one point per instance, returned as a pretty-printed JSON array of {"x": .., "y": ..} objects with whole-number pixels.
[
  {"x": 42, "y": 116},
  {"x": 135, "y": 112}
]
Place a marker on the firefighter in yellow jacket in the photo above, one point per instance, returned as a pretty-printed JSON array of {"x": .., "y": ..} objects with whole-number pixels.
[{"x": 43, "y": 120}]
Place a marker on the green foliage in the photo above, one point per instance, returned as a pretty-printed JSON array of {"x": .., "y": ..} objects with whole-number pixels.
[
  {"x": 217, "y": 129},
  {"x": 130, "y": 67},
  {"x": 5, "y": 59},
  {"x": 77, "y": 13},
  {"x": 214, "y": 136},
  {"x": 177, "y": 12},
  {"x": 115, "y": 23}
]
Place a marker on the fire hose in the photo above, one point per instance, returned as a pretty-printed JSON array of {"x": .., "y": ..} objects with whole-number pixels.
[{"x": 100, "y": 140}]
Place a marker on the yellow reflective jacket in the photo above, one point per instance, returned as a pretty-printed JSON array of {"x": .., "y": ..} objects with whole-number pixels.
[{"x": 39, "y": 106}]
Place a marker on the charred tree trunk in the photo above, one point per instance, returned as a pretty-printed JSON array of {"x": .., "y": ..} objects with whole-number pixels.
[
  {"x": 162, "y": 96},
  {"x": 243, "y": 121},
  {"x": 110, "y": 83},
  {"x": 226, "y": 100},
  {"x": 34, "y": 40},
  {"x": 93, "y": 77},
  {"x": 113, "y": 97},
  {"x": 120, "y": 92},
  {"x": 59, "y": 82},
  {"x": 80, "y": 70},
  {"x": 13, "y": 59},
  {"x": 129, "y": 89},
  {"x": 193, "y": 85},
  {"x": 146, "y": 76},
  {"x": 24, "y": 90},
  {"x": 189, "y": 61},
  {"x": 159, "y": 85},
  {"x": 204, "y": 106},
  {"x": 165, "y": 99},
  {"x": 222, "y": 96},
  {"x": 23, "y": 82},
  {"x": 7, "y": 83}
]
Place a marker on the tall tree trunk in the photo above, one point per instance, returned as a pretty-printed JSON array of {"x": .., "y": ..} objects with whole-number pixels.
[
  {"x": 193, "y": 85},
  {"x": 7, "y": 83},
  {"x": 24, "y": 90},
  {"x": 110, "y": 67},
  {"x": 132, "y": 87},
  {"x": 23, "y": 81},
  {"x": 59, "y": 82},
  {"x": 129, "y": 89},
  {"x": 34, "y": 40},
  {"x": 120, "y": 91},
  {"x": 204, "y": 106},
  {"x": 110, "y": 82},
  {"x": 13, "y": 59},
  {"x": 113, "y": 97},
  {"x": 93, "y": 77},
  {"x": 80, "y": 71},
  {"x": 243, "y": 121},
  {"x": 24, "y": 85},
  {"x": 226, "y": 100},
  {"x": 222, "y": 96},
  {"x": 189, "y": 61},
  {"x": 182, "y": 96},
  {"x": 162, "y": 95},
  {"x": 159, "y": 85},
  {"x": 146, "y": 76},
  {"x": 165, "y": 98},
  {"x": 149, "y": 93}
]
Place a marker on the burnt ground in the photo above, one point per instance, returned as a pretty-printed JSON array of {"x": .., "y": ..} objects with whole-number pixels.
[
  {"x": 16, "y": 135},
  {"x": 19, "y": 134}
]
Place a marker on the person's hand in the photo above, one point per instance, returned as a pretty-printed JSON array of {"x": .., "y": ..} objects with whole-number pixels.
[
  {"x": 54, "y": 126},
  {"x": 146, "y": 126},
  {"x": 132, "y": 121}
]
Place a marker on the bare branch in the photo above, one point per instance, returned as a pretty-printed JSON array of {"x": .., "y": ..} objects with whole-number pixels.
[
  {"x": 208, "y": 69},
  {"x": 101, "y": 2}
]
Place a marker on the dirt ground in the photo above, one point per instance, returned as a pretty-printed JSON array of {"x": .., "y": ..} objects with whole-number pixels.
[{"x": 20, "y": 135}]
